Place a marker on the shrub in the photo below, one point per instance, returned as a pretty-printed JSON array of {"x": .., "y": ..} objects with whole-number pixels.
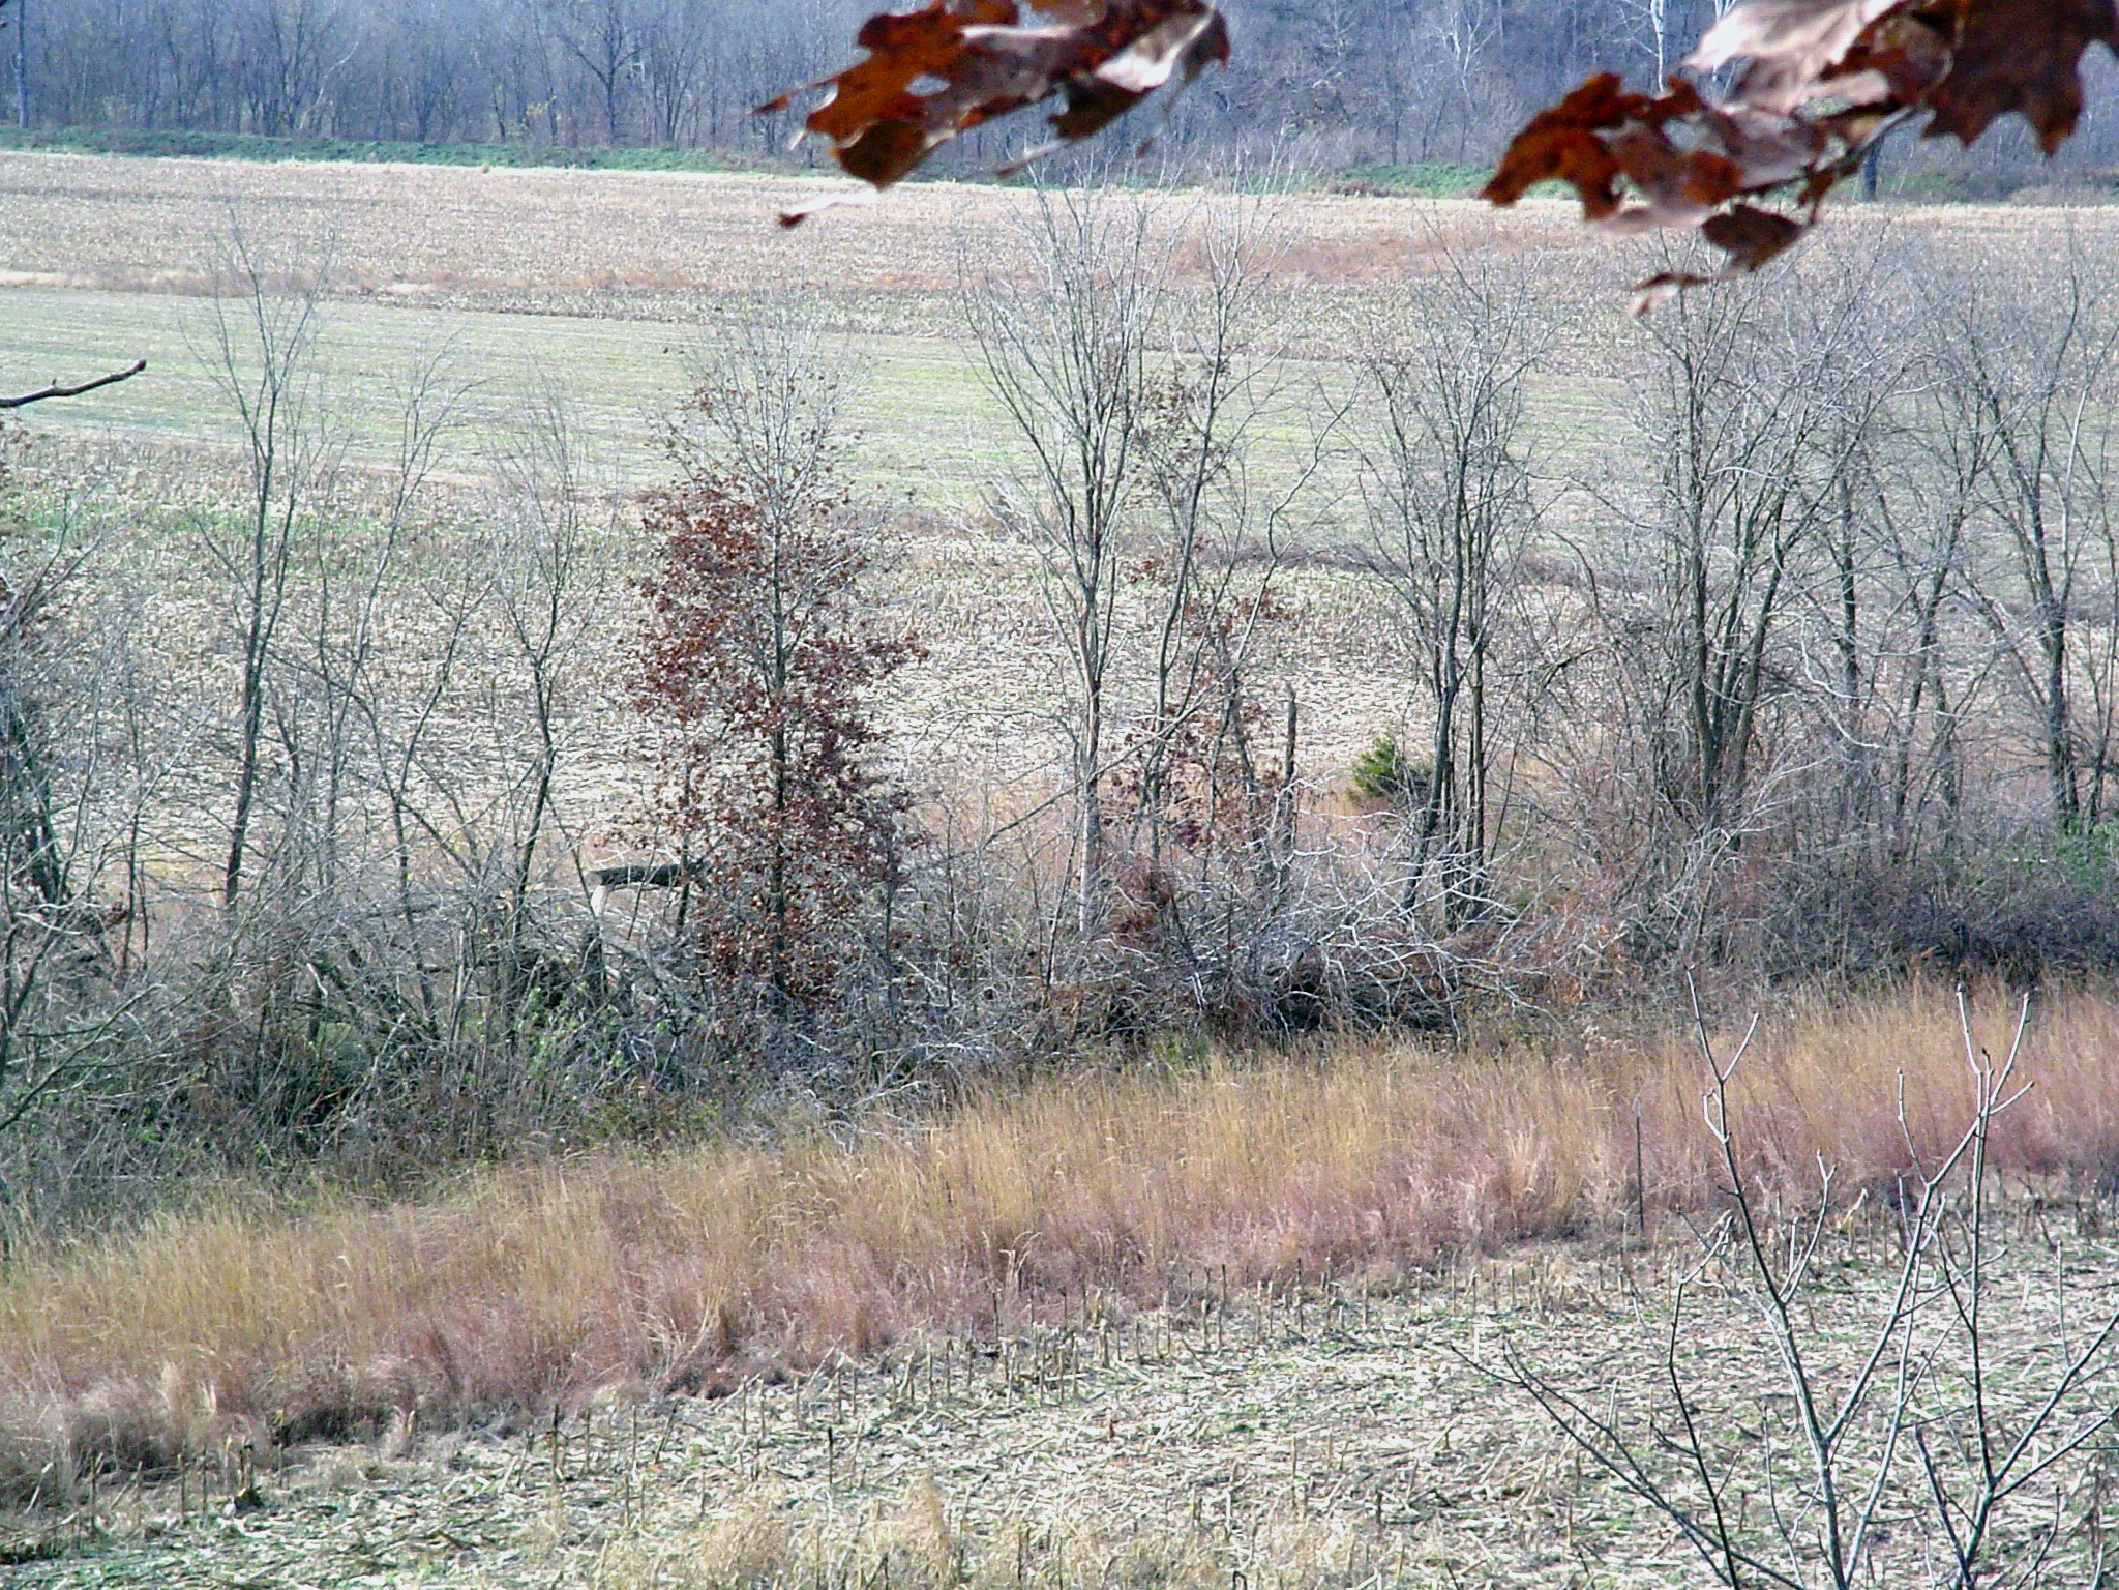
[{"x": 1384, "y": 774}]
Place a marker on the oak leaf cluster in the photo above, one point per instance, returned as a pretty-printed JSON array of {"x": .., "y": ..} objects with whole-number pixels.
[
  {"x": 953, "y": 65},
  {"x": 1813, "y": 85}
]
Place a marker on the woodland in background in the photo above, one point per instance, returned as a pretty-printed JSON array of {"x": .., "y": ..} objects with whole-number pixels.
[
  {"x": 1320, "y": 84},
  {"x": 1814, "y": 676}
]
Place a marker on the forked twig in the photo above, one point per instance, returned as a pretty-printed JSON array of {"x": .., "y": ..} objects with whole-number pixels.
[{"x": 1908, "y": 1381}]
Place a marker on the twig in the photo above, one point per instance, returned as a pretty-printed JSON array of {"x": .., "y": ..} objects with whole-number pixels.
[{"x": 38, "y": 396}]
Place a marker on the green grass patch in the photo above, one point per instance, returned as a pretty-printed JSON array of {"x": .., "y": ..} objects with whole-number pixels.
[
  {"x": 924, "y": 423},
  {"x": 1430, "y": 179}
]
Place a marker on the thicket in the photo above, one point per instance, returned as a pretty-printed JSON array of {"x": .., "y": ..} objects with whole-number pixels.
[{"x": 1815, "y": 679}]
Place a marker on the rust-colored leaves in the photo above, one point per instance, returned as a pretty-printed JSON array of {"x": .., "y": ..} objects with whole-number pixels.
[
  {"x": 2024, "y": 56},
  {"x": 1816, "y": 83},
  {"x": 933, "y": 73}
]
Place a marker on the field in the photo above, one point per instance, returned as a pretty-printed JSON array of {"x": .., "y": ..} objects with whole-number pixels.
[
  {"x": 1311, "y": 1437},
  {"x": 594, "y": 284},
  {"x": 588, "y": 288},
  {"x": 590, "y": 283},
  {"x": 1239, "y": 1323},
  {"x": 1227, "y": 1320}
]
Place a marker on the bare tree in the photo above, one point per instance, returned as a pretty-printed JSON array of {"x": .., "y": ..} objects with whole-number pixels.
[
  {"x": 1067, "y": 346},
  {"x": 365, "y": 712},
  {"x": 554, "y": 517},
  {"x": 2031, "y": 375},
  {"x": 260, "y": 347},
  {"x": 70, "y": 806},
  {"x": 1446, "y": 478},
  {"x": 1900, "y": 538},
  {"x": 1211, "y": 562},
  {"x": 1742, "y": 427},
  {"x": 41, "y": 925},
  {"x": 20, "y": 24},
  {"x": 607, "y": 40}
]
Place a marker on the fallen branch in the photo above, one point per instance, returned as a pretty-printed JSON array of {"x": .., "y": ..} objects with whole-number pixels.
[{"x": 40, "y": 395}]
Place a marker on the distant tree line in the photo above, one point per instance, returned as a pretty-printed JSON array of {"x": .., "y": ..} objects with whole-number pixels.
[{"x": 1326, "y": 82}]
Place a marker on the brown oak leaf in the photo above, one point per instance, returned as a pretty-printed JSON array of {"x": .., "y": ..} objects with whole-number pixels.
[
  {"x": 1816, "y": 84},
  {"x": 936, "y": 72},
  {"x": 2023, "y": 56}
]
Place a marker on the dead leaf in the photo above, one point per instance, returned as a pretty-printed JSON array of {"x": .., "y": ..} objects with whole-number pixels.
[
  {"x": 2023, "y": 56},
  {"x": 1101, "y": 57},
  {"x": 1747, "y": 237},
  {"x": 1788, "y": 46},
  {"x": 1818, "y": 82}
]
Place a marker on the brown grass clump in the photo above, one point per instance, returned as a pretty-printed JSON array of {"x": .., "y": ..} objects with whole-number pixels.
[
  {"x": 544, "y": 1286},
  {"x": 769, "y": 1541}
]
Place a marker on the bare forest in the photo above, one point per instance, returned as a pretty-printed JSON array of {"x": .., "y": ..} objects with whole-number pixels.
[{"x": 1327, "y": 84}]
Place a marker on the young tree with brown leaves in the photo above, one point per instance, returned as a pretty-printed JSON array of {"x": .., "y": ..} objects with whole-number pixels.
[{"x": 762, "y": 656}]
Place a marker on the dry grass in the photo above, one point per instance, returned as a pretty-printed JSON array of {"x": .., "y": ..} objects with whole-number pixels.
[
  {"x": 547, "y": 237},
  {"x": 550, "y": 1285},
  {"x": 1326, "y": 1437}
]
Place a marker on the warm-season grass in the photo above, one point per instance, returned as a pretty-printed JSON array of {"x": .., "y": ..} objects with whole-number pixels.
[
  {"x": 543, "y": 1286},
  {"x": 1325, "y": 1436}
]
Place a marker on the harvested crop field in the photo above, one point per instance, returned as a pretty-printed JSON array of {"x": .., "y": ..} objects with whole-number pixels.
[
  {"x": 601, "y": 243},
  {"x": 593, "y": 284},
  {"x": 1313, "y": 1435}
]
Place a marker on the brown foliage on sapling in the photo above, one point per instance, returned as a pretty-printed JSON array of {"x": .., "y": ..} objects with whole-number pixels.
[{"x": 762, "y": 656}]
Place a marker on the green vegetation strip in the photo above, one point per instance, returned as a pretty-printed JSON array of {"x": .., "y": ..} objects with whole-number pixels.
[{"x": 922, "y": 415}]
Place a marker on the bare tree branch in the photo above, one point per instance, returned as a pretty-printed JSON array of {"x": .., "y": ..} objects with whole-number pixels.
[{"x": 38, "y": 396}]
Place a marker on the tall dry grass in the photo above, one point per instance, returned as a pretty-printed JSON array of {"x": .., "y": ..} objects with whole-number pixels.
[{"x": 541, "y": 1285}]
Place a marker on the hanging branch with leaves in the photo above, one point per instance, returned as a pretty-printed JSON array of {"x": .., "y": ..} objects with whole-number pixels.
[
  {"x": 981, "y": 61},
  {"x": 1816, "y": 84}
]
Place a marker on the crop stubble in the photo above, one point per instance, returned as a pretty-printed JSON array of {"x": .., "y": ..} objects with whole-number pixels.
[{"x": 1312, "y": 1436}]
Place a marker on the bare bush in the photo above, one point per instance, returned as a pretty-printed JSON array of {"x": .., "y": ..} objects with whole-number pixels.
[{"x": 1915, "y": 1448}]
